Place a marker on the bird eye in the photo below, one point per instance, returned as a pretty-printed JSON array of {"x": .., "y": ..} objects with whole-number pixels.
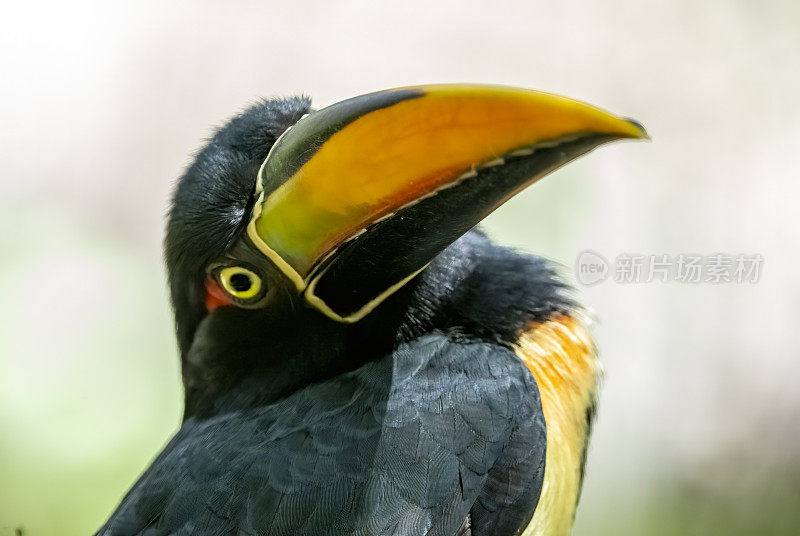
[{"x": 240, "y": 283}]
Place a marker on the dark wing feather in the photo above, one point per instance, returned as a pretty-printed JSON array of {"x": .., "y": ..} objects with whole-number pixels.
[{"x": 411, "y": 444}]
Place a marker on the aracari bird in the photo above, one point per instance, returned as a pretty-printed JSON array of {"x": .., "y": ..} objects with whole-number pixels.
[{"x": 356, "y": 358}]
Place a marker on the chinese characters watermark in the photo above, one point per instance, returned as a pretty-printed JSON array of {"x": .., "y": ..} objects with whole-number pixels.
[{"x": 715, "y": 269}]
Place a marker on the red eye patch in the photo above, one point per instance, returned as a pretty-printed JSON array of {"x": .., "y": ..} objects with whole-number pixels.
[{"x": 215, "y": 297}]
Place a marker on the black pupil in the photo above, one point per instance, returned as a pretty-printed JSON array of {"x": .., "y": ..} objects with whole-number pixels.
[{"x": 241, "y": 282}]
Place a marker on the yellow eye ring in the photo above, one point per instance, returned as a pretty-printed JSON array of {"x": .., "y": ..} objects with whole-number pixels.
[{"x": 240, "y": 282}]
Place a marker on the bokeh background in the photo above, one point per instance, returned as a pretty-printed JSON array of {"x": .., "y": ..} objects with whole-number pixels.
[{"x": 102, "y": 104}]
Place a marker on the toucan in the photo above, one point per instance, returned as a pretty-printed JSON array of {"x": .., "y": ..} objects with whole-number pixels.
[{"x": 357, "y": 358}]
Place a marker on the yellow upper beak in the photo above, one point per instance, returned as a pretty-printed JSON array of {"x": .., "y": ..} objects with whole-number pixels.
[{"x": 343, "y": 168}]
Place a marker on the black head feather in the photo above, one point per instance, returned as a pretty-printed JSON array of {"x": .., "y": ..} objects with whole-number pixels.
[
  {"x": 239, "y": 357},
  {"x": 213, "y": 199}
]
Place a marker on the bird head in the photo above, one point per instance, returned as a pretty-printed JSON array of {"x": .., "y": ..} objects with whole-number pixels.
[{"x": 292, "y": 216}]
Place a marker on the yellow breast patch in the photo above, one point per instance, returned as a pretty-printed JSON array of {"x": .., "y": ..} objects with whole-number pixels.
[{"x": 562, "y": 357}]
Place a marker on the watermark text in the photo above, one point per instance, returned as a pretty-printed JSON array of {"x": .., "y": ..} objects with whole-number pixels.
[{"x": 592, "y": 268}]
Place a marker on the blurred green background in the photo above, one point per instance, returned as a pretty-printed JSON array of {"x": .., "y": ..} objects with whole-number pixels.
[{"x": 103, "y": 103}]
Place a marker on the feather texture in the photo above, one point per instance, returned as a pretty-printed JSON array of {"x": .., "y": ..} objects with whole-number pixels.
[{"x": 410, "y": 444}]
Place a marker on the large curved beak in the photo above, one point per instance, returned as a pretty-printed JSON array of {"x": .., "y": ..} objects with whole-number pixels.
[{"x": 357, "y": 198}]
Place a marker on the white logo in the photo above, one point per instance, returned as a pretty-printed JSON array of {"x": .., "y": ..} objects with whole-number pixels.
[
  {"x": 632, "y": 268},
  {"x": 591, "y": 268}
]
